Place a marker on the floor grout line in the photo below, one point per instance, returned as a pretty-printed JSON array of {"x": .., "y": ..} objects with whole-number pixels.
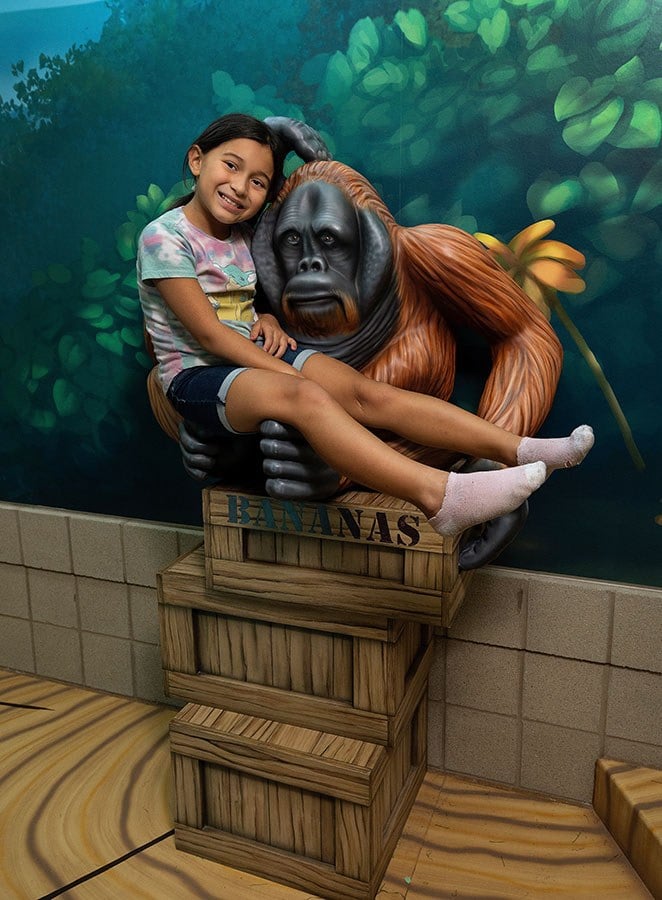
[{"x": 111, "y": 865}]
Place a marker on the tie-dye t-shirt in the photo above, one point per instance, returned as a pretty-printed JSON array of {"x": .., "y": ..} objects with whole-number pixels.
[{"x": 171, "y": 247}]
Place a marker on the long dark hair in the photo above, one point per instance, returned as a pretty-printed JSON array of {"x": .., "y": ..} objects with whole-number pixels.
[{"x": 230, "y": 128}]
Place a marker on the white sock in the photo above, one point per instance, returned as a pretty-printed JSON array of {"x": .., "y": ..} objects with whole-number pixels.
[
  {"x": 475, "y": 497},
  {"x": 557, "y": 453}
]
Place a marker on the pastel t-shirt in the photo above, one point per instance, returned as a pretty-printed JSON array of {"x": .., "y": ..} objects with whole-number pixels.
[{"x": 172, "y": 247}]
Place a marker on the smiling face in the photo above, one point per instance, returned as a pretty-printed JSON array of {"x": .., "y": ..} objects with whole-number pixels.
[{"x": 232, "y": 183}]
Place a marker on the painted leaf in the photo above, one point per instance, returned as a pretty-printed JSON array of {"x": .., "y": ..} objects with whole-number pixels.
[
  {"x": 419, "y": 151},
  {"x": 584, "y": 134},
  {"x": 222, "y": 83},
  {"x": 602, "y": 185},
  {"x": 71, "y": 354},
  {"x": 42, "y": 420},
  {"x": 547, "y": 59},
  {"x": 623, "y": 41},
  {"x": 364, "y": 33},
  {"x": 111, "y": 342},
  {"x": 131, "y": 280},
  {"x": 132, "y": 337},
  {"x": 125, "y": 241},
  {"x": 66, "y": 399},
  {"x": 616, "y": 15},
  {"x": 652, "y": 90},
  {"x": 155, "y": 194},
  {"x": 533, "y": 34},
  {"x": 460, "y": 17},
  {"x": 631, "y": 73},
  {"x": 91, "y": 311},
  {"x": 495, "y": 31},
  {"x": 644, "y": 128},
  {"x": 578, "y": 95},
  {"x": 337, "y": 81},
  {"x": 378, "y": 79},
  {"x": 403, "y": 134},
  {"x": 412, "y": 26},
  {"x": 102, "y": 322},
  {"x": 649, "y": 192},
  {"x": 545, "y": 199},
  {"x": 130, "y": 304},
  {"x": 99, "y": 283},
  {"x": 618, "y": 239},
  {"x": 485, "y": 9}
]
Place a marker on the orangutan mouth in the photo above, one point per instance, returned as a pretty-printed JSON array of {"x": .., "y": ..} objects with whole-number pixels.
[{"x": 315, "y": 316}]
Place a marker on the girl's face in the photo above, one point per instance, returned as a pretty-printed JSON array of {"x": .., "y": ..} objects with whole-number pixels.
[{"x": 232, "y": 184}]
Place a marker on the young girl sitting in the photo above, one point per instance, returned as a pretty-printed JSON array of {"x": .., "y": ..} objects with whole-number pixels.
[{"x": 223, "y": 365}]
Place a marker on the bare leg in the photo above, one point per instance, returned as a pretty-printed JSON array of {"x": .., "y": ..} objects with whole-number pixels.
[
  {"x": 349, "y": 447},
  {"x": 433, "y": 422},
  {"x": 417, "y": 417}
]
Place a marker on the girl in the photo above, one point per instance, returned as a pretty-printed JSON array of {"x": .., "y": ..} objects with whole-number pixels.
[{"x": 219, "y": 361}]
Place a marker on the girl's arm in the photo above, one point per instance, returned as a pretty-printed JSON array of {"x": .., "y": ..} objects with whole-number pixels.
[{"x": 189, "y": 303}]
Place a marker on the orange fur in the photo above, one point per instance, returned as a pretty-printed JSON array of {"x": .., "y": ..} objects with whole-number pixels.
[{"x": 446, "y": 278}]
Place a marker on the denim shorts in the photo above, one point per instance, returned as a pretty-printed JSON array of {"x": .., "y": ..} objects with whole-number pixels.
[{"x": 199, "y": 393}]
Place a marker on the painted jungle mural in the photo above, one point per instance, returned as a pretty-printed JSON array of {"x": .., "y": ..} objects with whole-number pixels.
[{"x": 534, "y": 124}]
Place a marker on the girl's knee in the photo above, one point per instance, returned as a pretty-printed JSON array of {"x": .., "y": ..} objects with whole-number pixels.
[{"x": 306, "y": 396}]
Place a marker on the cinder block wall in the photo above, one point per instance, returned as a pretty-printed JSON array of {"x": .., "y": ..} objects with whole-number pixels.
[
  {"x": 78, "y": 596},
  {"x": 538, "y": 676}
]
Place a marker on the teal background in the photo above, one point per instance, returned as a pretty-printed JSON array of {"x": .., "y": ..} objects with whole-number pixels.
[{"x": 487, "y": 114}]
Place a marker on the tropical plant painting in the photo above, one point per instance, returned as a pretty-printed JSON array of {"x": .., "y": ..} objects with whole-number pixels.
[{"x": 534, "y": 124}]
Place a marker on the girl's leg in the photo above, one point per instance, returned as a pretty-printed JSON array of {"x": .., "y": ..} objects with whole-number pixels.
[
  {"x": 433, "y": 422},
  {"x": 350, "y": 448}
]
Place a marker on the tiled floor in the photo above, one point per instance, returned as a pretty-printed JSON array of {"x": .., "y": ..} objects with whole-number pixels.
[{"x": 85, "y": 815}]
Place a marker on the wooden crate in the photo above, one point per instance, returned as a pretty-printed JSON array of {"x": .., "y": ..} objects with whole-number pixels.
[
  {"x": 361, "y": 552},
  {"x": 310, "y": 809},
  {"x": 360, "y": 676}
]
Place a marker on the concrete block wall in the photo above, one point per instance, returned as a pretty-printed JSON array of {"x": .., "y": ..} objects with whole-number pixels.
[
  {"x": 538, "y": 676},
  {"x": 78, "y": 596}
]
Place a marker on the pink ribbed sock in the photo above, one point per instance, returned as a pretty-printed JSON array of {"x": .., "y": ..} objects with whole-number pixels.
[
  {"x": 475, "y": 497},
  {"x": 557, "y": 453}
]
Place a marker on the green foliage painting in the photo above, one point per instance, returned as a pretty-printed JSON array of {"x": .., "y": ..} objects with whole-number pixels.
[{"x": 491, "y": 115}]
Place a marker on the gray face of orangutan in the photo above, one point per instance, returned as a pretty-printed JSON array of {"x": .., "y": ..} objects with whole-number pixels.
[{"x": 318, "y": 241}]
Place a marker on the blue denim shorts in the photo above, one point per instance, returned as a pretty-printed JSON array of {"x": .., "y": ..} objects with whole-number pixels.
[{"x": 199, "y": 393}]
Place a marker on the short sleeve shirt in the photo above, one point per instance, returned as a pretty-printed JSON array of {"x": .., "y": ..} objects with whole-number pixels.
[{"x": 172, "y": 247}]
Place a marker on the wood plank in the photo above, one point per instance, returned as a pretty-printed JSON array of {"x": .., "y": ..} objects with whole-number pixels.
[
  {"x": 177, "y": 638},
  {"x": 188, "y": 790},
  {"x": 184, "y": 584},
  {"x": 284, "y": 765},
  {"x": 288, "y": 868},
  {"x": 284, "y": 706},
  {"x": 353, "y": 846},
  {"x": 224, "y": 543},
  {"x": 325, "y": 590},
  {"x": 358, "y": 517},
  {"x": 628, "y": 799}
]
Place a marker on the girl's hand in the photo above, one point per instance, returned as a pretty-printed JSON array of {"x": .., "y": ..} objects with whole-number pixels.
[{"x": 276, "y": 341}]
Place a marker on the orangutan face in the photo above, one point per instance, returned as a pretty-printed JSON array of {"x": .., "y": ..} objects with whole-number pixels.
[{"x": 318, "y": 241}]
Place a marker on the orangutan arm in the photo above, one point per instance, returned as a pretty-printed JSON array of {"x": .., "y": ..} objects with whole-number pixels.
[{"x": 452, "y": 271}]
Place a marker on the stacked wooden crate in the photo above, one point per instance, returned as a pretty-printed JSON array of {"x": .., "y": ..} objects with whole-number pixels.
[{"x": 301, "y": 635}]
